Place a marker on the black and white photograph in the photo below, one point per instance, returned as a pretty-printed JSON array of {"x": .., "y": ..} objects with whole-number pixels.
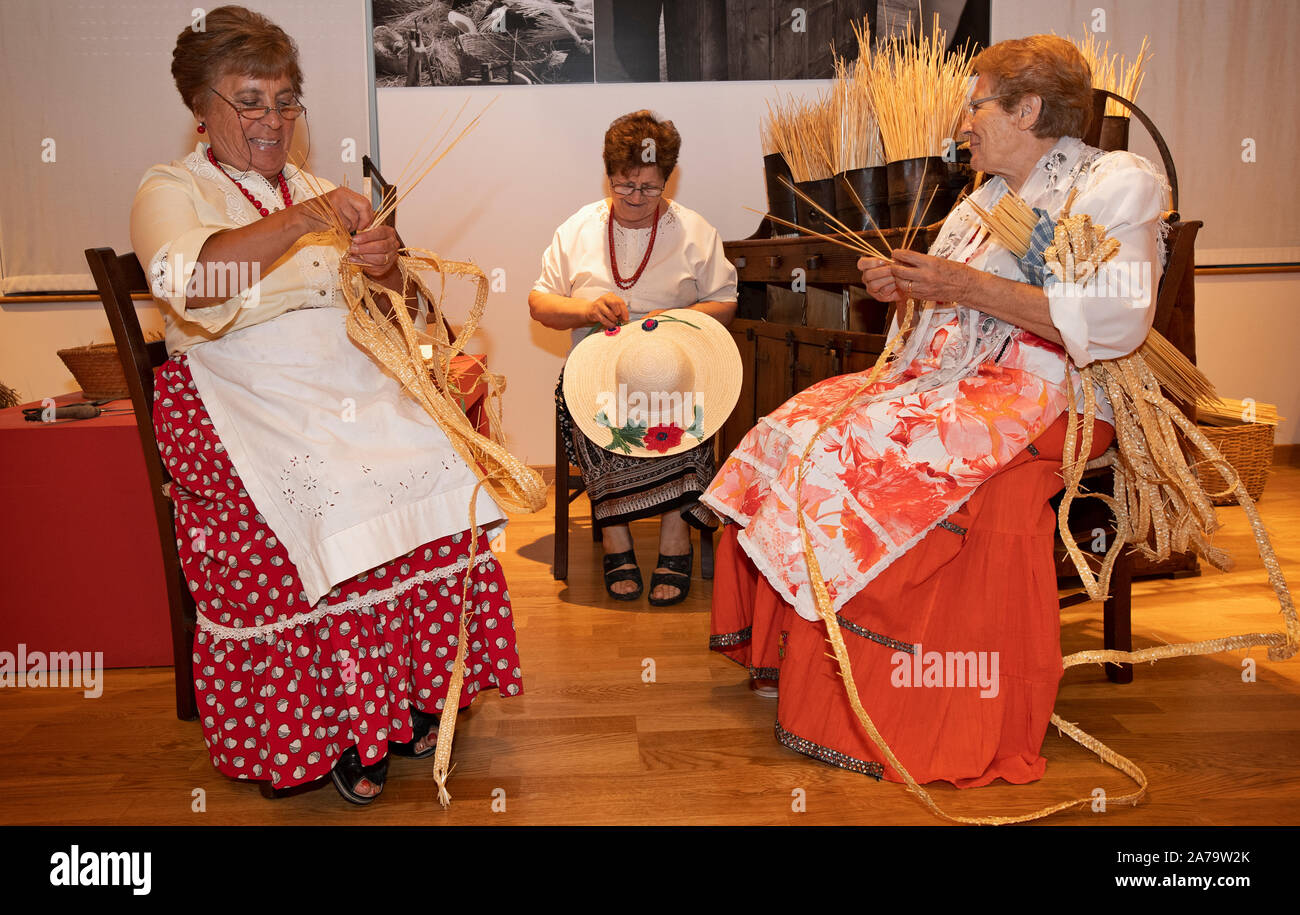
[
  {"x": 647, "y": 41},
  {"x": 482, "y": 42}
]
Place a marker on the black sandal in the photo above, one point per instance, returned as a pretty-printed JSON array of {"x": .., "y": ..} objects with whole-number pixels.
[
  {"x": 422, "y": 725},
  {"x": 349, "y": 770},
  {"x": 678, "y": 576},
  {"x": 614, "y": 574}
]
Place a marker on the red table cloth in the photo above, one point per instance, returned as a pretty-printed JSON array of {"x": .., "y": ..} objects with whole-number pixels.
[{"x": 80, "y": 564}]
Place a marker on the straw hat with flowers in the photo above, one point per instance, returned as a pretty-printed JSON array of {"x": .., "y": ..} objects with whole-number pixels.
[{"x": 654, "y": 387}]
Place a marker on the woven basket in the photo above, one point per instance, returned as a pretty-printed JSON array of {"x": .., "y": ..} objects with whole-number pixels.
[
  {"x": 1249, "y": 449},
  {"x": 97, "y": 369}
]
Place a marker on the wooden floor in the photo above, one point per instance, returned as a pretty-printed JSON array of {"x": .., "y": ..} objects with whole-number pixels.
[{"x": 590, "y": 742}]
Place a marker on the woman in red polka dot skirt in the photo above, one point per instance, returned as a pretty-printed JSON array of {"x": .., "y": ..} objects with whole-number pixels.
[{"x": 322, "y": 518}]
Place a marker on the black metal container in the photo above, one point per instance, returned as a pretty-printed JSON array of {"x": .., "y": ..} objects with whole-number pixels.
[
  {"x": 780, "y": 199},
  {"x": 823, "y": 191},
  {"x": 863, "y": 187},
  {"x": 1114, "y": 133},
  {"x": 913, "y": 178}
]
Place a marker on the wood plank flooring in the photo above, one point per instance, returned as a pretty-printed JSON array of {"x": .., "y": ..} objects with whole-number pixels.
[{"x": 591, "y": 742}]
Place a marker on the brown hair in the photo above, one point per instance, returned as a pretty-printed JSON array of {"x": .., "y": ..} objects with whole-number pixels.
[
  {"x": 626, "y": 148},
  {"x": 1050, "y": 67},
  {"x": 232, "y": 40}
]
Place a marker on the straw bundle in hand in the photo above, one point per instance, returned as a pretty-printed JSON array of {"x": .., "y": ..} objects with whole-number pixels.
[{"x": 917, "y": 92}]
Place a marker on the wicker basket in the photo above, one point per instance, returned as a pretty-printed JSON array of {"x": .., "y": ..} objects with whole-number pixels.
[
  {"x": 97, "y": 369},
  {"x": 1249, "y": 449}
]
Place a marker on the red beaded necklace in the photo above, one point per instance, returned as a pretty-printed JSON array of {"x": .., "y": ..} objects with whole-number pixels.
[
  {"x": 284, "y": 186},
  {"x": 613, "y": 258}
]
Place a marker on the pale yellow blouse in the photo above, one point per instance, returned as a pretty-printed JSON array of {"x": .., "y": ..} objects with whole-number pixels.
[{"x": 179, "y": 206}]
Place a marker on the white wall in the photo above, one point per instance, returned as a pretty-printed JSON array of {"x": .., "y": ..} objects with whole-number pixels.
[
  {"x": 535, "y": 159},
  {"x": 1247, "y": 340}
]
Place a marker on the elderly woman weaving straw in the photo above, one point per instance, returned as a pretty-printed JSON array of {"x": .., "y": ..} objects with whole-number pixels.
[
  {"x": 623, "y": 259},
  {"x": 925, "y": 495},
  {"x": 321, "y": 515}
]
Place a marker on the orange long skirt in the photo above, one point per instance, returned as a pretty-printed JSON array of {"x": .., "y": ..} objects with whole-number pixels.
[{"x": 955, "y": 647}]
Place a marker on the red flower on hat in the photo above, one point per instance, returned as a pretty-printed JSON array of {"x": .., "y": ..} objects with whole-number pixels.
[
  {"x": 649, "y": 324},
  {"x": 661, "y": 438},
  {"x": 611, "y": 331}
]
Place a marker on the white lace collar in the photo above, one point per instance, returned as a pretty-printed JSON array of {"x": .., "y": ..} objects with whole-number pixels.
[{"x": 669, "y": 217}]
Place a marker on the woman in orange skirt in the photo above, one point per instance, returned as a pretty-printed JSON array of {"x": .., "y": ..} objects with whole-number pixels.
[{"x": 925, "y": 500}]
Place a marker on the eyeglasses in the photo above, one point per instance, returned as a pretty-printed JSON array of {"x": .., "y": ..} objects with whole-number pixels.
[
  {"x": 626, "y": 190},
  {"x": 974, "y": 105},
  {"x": 289, "y": 112}
]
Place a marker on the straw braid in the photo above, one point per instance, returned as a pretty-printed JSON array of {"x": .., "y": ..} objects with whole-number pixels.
[
  {"x": 394, "y": 342},
  {"x": 516, "y": 486}
]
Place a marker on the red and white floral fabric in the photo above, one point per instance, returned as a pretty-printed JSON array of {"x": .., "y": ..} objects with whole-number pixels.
[
  {"x": 881, "y": 478},
  {"x": 966, "y": 394}
]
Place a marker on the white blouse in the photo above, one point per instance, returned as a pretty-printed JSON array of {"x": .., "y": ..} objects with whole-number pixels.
[
  {"x": 178, "y": 207},
  {"x": 686, "y": 266},
  {"x": 1111, "y": 314}
]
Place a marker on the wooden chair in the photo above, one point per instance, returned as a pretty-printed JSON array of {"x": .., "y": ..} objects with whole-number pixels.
[
  {"x": 116, "y": 277},
  {"x": 1173, "y": 319},
  {"x": 568, "y": 486}
]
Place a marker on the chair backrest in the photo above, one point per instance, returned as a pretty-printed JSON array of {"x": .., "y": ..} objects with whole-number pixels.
[
  {"x": 1175, "y": 315},
  {"x": 116, "y": 277}
]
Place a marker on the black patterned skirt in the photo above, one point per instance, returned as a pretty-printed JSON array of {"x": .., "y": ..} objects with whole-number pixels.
[{"x": 624, "y": 488}]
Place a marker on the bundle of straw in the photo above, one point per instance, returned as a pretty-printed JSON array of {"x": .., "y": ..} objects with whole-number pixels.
[
  {"x": 917, "y": 92},
  {"x": 1225, "y": 411},
  {"x": 803, "y": 131},
  {"x": 1113, "y": 71},
  {"x": 856, "y": 142},
  {"x": 1011, "y": 221},
  {"x": 771, "y": 132}
]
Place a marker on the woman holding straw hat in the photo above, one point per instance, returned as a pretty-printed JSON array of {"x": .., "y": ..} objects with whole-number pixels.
[
  {"x": 616, "y": 262},
  {"x": 923, "y": 490},
  {"x": 322, "y": 517}
]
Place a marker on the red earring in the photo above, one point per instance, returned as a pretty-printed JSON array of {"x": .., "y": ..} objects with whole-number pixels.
[{"x": 202, "y": 129}]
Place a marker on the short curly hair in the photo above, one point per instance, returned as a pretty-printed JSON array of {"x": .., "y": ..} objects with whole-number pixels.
[
  {"x": 1050, "y": 67},
  {"x": 639, "y": 139},
  {"x": 232, "y": 40}
]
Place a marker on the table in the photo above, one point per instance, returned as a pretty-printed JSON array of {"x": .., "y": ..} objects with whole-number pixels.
[{"x": 80, "y": 562}]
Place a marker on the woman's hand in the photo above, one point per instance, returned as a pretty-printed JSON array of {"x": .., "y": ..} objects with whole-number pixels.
[
  {"x": 354, "y": 210},
  {"x": 878, "y": 277},
  {"x": 609, "y": 310},
  {"x": 375, "y": 251},
  {"x": 931, "y": 279}
]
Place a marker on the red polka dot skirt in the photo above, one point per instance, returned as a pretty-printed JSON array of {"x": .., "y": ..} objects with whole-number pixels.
[{"x": 285, "y": 687}]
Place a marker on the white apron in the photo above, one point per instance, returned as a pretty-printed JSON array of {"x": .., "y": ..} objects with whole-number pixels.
[{"x": 345, "y": 468}]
